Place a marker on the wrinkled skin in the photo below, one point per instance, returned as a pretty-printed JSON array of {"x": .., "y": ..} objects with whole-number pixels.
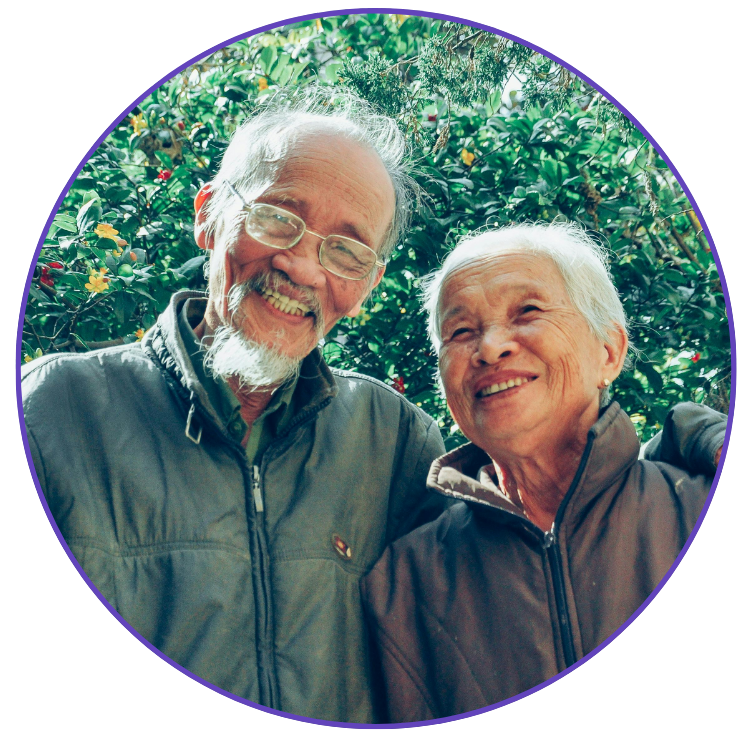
[
  {"x": 338, "y": 187},
  {"x": 508, "y": 317}
]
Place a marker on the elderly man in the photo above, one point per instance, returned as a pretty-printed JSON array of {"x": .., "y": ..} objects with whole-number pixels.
[{"x": 219, "y": 485}]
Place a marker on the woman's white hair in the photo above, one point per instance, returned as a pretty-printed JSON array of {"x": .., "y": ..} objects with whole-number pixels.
[
  {"x": 582, "y": 263},
  {"x": 259, "y": 146}
]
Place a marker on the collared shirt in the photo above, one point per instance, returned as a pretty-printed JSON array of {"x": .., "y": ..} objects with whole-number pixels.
[{"x": 277, "y": 415}]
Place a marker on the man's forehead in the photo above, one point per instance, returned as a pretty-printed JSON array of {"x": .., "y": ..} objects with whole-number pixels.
[{"x": 345, "y": 179}]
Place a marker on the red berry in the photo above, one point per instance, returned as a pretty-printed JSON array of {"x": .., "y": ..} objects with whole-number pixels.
[{"x": 696, "y": 357}]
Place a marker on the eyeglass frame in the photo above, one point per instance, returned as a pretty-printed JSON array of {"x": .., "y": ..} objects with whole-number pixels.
[{"x": 377, "y": 264}]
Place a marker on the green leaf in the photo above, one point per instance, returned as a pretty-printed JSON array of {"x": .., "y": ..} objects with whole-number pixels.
[
  {"x": 68, "y": 223},
  {"x": 267, "y": 58},
  {"x": 88, "y": 215}
]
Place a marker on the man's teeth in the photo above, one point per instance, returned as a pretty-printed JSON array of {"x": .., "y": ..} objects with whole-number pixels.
[
  {"x": 284, "y": 303},
  {"x": 496, "y": 387}
]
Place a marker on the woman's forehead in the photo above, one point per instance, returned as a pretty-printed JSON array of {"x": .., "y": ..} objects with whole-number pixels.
[{"x": 505, "y": 272}]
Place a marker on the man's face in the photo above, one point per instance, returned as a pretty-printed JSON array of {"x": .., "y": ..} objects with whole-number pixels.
[{"x": 337, "y": 187}]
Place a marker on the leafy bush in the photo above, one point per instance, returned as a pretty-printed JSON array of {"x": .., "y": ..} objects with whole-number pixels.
[{"x": 487, "y": 154}]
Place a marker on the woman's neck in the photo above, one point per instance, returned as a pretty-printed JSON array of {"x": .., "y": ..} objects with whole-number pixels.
[{"x": 537, "y": 481}]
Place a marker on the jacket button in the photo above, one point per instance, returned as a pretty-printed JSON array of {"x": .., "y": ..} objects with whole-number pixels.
[
  {"x": 236, "y": 428},
  {"x": 341, "y": 547}
]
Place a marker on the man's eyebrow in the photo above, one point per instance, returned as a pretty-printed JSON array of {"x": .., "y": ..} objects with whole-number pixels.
[{"x": 301, "y": 206}]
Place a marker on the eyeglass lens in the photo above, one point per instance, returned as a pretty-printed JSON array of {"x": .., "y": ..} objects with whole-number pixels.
[{"x": 278, "y": 228}]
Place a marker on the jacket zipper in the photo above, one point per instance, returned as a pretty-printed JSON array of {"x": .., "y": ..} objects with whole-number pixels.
[
  {"x": 552, "y": 548},
  {"x": 266, "y": 683},
  {"x": 551, "y": 545},
  {"x": 264, "y": 648}
]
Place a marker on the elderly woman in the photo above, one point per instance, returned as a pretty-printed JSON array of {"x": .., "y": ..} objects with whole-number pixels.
[{"x": 562, "y": 532}]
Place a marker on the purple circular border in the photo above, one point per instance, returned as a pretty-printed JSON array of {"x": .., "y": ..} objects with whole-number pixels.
[{"x": 308, "y": 17}]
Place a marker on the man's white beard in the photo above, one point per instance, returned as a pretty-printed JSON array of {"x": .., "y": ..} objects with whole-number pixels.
[{"x": 232, "y": 355}]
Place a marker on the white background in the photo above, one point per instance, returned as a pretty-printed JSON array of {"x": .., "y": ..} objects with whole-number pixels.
[{"x": 72, "y": 675}]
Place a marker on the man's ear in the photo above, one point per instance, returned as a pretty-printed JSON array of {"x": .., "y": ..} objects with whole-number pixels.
[
  {"x": 615, "y": 352},
  {"x": 202, "y": 237},
  {"x": 355, "y": 310}
]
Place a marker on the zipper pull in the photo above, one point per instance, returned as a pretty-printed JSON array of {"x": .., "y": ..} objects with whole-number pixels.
[
  {"x": 257, "y": 497},
  {"x": 549, "y": 538}
]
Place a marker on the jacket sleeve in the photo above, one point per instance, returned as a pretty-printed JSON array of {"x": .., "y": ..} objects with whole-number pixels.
[
  {"x": 412, "y": 505},
  {"x": 691, "y": 436},
  {"x": 403, "y": 696}
]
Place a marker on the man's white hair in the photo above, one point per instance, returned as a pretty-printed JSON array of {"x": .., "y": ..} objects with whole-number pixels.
[
  {"x": 582, "y": 263},
  {"x": 259, "y": 146}
]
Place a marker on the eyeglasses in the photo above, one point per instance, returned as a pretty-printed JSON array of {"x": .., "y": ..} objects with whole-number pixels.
[{"x": 277, "y": 227}]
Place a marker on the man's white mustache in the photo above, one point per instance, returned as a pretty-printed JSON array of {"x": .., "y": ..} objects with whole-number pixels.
[{"x": 273, "y": 280}]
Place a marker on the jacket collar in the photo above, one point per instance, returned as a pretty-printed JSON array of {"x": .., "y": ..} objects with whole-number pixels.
[
  {"x": 315, "y": 386},
  {"x": 611, "y": 449}
]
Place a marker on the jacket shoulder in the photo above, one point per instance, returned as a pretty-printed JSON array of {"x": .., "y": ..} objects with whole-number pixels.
[
  {"x": 354, "y": 385},
  {"x": 663, "y": 485},
  {"x": 60, "y": 377}
]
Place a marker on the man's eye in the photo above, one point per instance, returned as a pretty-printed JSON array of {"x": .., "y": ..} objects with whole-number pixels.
[
  {"x": 529, "y": 308},
  {"x": 459, "y": 332}
]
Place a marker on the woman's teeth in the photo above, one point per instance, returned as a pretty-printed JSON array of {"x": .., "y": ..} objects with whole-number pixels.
[
  {"x": 496, "y": 387},
  {"x": 284, "y": 303}
]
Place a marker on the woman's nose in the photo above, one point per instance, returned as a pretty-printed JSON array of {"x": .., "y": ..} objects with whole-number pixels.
[
  {"x": 494, "y": 345},
  {"x": 301, "y": 263}
]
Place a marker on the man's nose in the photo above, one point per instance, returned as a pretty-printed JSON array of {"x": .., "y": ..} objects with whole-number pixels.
[
  {"x": 495, "y": 344},
  {"x": 301, "y": 263}
]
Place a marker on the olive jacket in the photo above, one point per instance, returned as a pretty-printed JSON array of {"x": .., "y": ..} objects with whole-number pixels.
[
  {"x": 481, "y": 604},
  {"x": 247, "y": 576}
]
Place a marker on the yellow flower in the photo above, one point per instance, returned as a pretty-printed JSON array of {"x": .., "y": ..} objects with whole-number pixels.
[
  {"x": 467, "y": 157},
  {"x": 139, "y": 123},
  {"x": 262, "y": 84},
  {"x": 98, "y": 282},
  {"x": 139, "y": 333},
  {"x": 400, "y": 19},
  {"x": 318, "y": 24},
  {"x": 27, "y": 358},
  {"x": 109, "y": 232}
]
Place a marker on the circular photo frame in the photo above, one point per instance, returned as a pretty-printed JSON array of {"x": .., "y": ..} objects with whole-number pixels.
[{"x": 500, "y": 133}]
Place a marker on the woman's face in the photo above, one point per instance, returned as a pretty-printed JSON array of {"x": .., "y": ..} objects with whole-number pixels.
[{"x": 520, "y": 366}]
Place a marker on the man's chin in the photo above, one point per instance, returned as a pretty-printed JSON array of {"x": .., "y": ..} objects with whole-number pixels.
[{"x": 255, "y": 364}]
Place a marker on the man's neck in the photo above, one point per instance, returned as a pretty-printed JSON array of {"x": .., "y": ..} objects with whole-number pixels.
[{"x": 252, "y": 402}]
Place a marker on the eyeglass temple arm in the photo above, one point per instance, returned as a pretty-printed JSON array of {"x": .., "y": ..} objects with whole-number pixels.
[{"x": 232, "y": 188}]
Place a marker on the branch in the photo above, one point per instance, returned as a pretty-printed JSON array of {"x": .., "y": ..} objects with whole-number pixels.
[
  {"x": 685, "y": 249},
  {"x": 698, "y": 230}
]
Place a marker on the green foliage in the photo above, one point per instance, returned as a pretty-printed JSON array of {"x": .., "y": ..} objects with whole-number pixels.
[{"x": 500, "y": 134}]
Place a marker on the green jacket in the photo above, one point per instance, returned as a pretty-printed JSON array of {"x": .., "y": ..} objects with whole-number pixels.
[{"x": 250, "y": 584}]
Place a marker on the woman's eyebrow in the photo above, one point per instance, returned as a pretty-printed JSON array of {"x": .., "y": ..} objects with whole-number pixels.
[{"x": 452, "y": 312}]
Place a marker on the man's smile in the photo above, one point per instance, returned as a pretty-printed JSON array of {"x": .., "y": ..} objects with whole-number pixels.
[{"x": 286, "y": 304}]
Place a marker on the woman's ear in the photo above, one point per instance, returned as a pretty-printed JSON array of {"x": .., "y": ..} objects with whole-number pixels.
[
  {"x": 355, "y": 310},
  {"x": 203, "y": 238}
]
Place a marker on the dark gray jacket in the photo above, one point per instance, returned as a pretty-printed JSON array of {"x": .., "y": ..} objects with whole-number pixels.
[
  {"x": 481, "y": 604},
  {"x": 253, "y": 587}
]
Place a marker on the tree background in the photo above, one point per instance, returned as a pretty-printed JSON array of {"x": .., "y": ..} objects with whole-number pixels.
[{"x": 499, "y": 134}]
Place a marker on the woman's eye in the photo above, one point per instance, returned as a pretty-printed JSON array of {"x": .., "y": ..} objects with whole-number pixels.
[
  {"x": 459, "y": 332},
  {"x": 529, "y": 308}
]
